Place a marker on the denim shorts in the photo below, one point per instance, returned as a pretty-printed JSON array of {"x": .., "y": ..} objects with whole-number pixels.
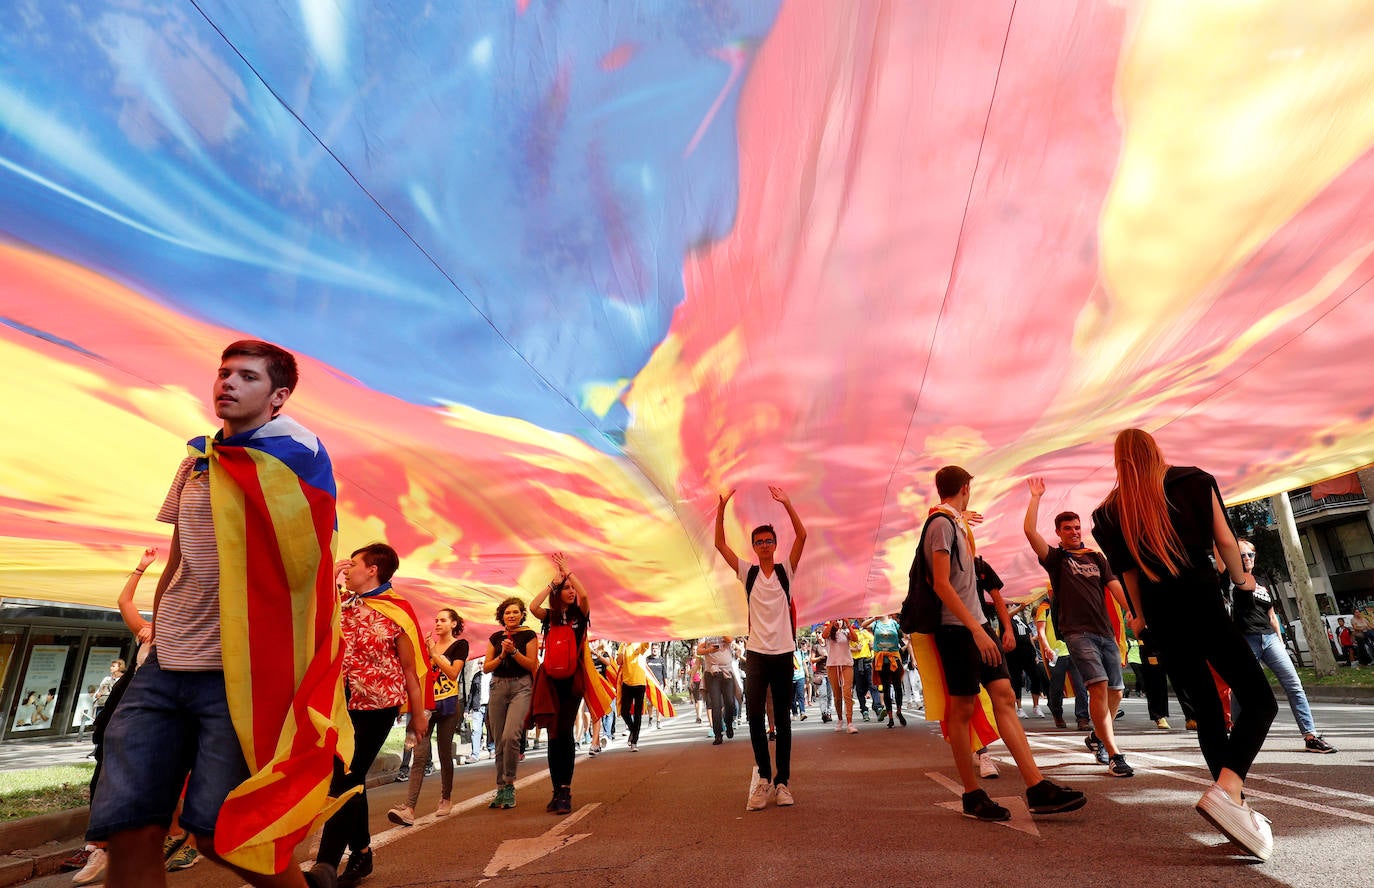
[
  {"x": 168, "y": 725},
  {"x": 1097, "y": 658}
]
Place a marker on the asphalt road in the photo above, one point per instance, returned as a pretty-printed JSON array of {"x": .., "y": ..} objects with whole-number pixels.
[{"x": 880, "y": 808}]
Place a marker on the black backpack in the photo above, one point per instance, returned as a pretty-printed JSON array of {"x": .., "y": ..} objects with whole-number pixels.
[
  {"x": 921, "y": 609},
  {"x": 752, "y": 576}
]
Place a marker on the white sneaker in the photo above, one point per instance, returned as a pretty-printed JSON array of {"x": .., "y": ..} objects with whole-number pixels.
[
  {"x": 851, "y": 729},
  {"x": 93, "y": 871},
  {"x": 758, "y": 795},
  {"x": 1021, "y": 713},
  {"x": 1037, "y": 712},
  {"x": 783, "y": 796},
  {"x": 1245, "y": 828},
  {"x": 986, "y": 766}
]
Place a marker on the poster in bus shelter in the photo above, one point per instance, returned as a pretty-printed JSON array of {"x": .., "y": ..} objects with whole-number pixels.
[
  {"x": 97, "y": 667},
  {"x": 38, "y": 691}
]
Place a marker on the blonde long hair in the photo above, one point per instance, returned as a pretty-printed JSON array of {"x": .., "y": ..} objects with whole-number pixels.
[{"x": 1141, "y": 506}]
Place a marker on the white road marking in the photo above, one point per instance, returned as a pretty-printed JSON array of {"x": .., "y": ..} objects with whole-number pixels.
[
  {"x": 1057, "y": 744},
  {"x": 1020, "y": 815},
  {"x": 515, "y": 853}
]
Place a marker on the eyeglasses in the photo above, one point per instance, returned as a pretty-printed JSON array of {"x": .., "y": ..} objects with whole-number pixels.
[
  {"x": 1250, "y": 555},
  {"x": 765, "y": 542}
]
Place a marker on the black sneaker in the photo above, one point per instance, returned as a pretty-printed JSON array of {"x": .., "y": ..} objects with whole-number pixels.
[
  {"x": 1317, "y": 744},
  {"x": 979, "y": 806},
  {"x": 730, "y": 730},
  {"x": 1117, "y": 767},
  {"x": 1051, "y": 798},
  {"x": 403, "y": 775},
  {"x": 359, "y": 867},
  {"x": 1096, "y": 747},
  {"x": 562, "y": 800}
]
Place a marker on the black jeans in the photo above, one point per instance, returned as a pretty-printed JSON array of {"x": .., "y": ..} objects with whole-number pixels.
[
  {"x": 348, "y": 827},
  {"x": 632, "y": 708},
  {"x": 765, "y": 674},
  {"x": 1192, "y": 630},
  {"x": 562, "y": 743}
]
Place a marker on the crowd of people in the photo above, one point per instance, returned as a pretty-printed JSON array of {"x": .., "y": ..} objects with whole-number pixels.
[{"x": 186, "y": 738}]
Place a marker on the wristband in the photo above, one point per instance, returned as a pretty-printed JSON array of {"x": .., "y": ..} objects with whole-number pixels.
[{"x": 137, "y": 570}]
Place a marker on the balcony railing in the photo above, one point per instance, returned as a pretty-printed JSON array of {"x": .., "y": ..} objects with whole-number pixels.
[{"x": 1303, "y": 504}]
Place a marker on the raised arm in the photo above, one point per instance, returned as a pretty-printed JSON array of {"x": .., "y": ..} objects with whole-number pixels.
[
  {"x": 1030, "y": 526},
  {"x": 721, "y": 545},
  {"x": 132, "y": 618},
  {"x": 798, "y": 531}
]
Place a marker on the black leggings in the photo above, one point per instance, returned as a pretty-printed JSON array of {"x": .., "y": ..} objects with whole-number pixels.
[
  {"x": 1189, "y": 623},
  {"x": 890, "y": 679},
  {"x": 348, "y": 827},
  {"x": 562, "y": 743}
]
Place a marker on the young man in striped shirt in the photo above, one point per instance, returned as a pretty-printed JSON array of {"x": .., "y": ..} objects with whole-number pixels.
[{"x": 174, "y": 720}]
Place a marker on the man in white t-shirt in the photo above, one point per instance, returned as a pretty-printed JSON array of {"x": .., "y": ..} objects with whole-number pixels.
[{"x": 772, "y": 643}]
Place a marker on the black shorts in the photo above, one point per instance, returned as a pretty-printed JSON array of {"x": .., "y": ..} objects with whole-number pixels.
[{"x": 964, "y": 668}]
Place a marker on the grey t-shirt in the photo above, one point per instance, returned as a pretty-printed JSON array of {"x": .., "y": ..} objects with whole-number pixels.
[
  {"x": 1080, "y": 583},
  {"x": 943, "y": 536}
]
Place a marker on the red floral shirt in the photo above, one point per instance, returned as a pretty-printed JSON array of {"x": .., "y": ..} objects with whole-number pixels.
[{"x": 372, "y": 667}]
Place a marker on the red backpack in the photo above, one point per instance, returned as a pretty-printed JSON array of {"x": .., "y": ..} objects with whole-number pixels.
[{"x": 560, "y": 651}]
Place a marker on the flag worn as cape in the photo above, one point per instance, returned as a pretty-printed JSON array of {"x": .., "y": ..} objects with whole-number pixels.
[
  {"x": 273, "y": 499},
  {"x": 655, "y": 694},
  {"x": 386, "y": 602},
  {"x": 598, "y": 690},
  {"x": 935, "y": 688}
]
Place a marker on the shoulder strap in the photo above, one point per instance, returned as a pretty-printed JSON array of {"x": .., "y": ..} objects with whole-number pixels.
[{"x": 749, "y": 580}]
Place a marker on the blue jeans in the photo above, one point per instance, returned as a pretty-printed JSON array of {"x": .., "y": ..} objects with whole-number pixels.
[
  {"x": 1271, "y": 652},
  {"x": 478, "y": 717},
  {"x": 167, "y": 724}
]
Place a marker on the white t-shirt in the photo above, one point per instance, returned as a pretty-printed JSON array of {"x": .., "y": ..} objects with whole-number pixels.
[
  {"x": 837, "y": 652},
  {"x": 770, "y": 620}
]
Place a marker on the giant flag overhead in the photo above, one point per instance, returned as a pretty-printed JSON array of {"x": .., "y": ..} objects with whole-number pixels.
[{"x": 560, "y": 273}]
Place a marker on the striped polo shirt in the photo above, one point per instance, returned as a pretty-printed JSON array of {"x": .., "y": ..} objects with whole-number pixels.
[{"x": 186, "y": 624}]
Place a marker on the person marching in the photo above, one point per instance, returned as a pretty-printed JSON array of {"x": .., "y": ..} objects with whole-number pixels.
[
  {"x": 772, "y": 641},
  {"x": 512, "y": 656},
  {"x": 447, "y": 654},
  {"x": 559, "y": 684}
]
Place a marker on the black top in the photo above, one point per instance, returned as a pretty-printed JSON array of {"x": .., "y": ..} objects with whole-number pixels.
[
  {"x": 508, "y": 668},
  {"x": 571, "y": 615},
  {"x": 986, "y": 579},
  {"x": 1251, "y": 610},
  {"x": 1189, "y": 492},
  {"x": 1080, "y": 581},
  {"x": 443, "y": 685}
]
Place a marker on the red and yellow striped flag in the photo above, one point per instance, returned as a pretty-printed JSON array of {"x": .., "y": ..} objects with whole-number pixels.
[
  {"x": 655, "y": 694},
  {"x": 272, "y": 495},
  {"x": 983, "y": 728},
  {"x": 396, "y": 609},
  {"x": 598, "y": 691}
]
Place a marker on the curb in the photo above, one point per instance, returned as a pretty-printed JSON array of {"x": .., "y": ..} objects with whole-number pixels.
[{"x": 36, "y": 846}]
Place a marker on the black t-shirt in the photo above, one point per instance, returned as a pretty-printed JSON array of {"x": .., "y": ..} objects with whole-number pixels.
[
  {"x": 443, "y": 685},
  {"x": 1080, "y": 580},
  {"x": 987, "y": 580},
  {"x": 508, "y": 667},
  {"x": 1189, "y": 492},
  {"x": 1251, "y": 610}
]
